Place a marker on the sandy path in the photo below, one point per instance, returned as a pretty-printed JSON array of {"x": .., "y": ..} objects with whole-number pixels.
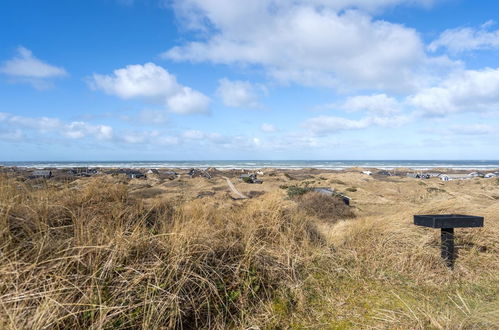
[{"x": 233, "y": 189}]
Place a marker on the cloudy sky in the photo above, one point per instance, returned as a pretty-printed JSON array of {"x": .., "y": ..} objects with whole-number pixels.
[{"x": 259, "y": 79}]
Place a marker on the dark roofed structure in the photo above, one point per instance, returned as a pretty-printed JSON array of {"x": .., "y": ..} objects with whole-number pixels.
[{"x": 41, "y": 174}]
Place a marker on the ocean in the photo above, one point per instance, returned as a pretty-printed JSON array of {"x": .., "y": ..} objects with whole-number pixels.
[{"x": 284, "y": 164}]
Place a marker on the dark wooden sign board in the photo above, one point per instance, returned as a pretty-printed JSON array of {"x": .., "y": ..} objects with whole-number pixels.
[{"x": 447, "y": 223}]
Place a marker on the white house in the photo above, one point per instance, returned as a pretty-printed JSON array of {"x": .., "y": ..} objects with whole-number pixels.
[{"x": 449, "y": 177}]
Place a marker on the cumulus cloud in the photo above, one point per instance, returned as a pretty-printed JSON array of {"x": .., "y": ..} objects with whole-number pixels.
[
  {"x": 464, "y": 91},
  {"x": 308, "y": 42},
  {"x": 268, "y": 128},
  {"x": 79, "y": 130},
  {"x": 72, "y": 130},
  {"x": 204, "y": 136},
  {"x": 25, "y": 67},
  {"x": 238, "y": 94},
  {"x": 323, "y": 125},
  {"x": 465, "y": 39},
  {"x": 11, "y": 135},
  {"x": 153, "y": 84},
  {"x": 379, "y": 104},
  {"x": 471, "y": 129},
  {"x": 155, "y": 117}
]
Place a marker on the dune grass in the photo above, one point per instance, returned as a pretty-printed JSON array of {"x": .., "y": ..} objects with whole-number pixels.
[{"x": 95, "y": 256}]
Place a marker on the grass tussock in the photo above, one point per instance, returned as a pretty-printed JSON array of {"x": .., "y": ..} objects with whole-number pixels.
[
  {"x": 94, "y": 258},
  {"x": 331, "y": 208},
  {"x": 92, "y": 254}
]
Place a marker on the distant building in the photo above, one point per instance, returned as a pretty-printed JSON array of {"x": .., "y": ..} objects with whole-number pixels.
[
  {"x": 133, "y": 174},
  {"x": 491, "y": 175},
  {"x": 41, "y": 174},
  {"x": 250, "y": 178},
  {"x": 331, "y": 192},
  {"x": 450, "y": 177},
  {"x": 129, "y": 173},
  {"x": 385, "y": 173}
]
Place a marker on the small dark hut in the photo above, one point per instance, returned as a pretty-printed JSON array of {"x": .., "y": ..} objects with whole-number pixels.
[
  {"x": 46, "y": 174},
  {"x": 250, "y": 178}
]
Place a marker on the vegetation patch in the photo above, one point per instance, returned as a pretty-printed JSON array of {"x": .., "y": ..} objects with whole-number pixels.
[
  {"x": 294, "y": 191},
  {"x": 324, "y": 206},
  {"x": 96, "y": 258},
  {"x": 351, "y": 189},
  {"x": 435, "y": 190}
]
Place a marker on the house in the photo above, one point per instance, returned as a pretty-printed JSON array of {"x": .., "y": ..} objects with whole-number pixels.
[
  {"x": 152, "y": 171},
  {"x": 170, "y": 175},
  {"x": 250, "y": 178},
  {"x": 414, "y": 175},
  {"x": 444, "y": 177},
  {"x": 385, "y": 173},
  {"x": 134, "y": 174},
  {"x": 367, "y": 172},
  {"x": 331, "y": 192},
  {"x": 194, "y": 173},
  {"x": 83, "y": 171},
  {"x": 324, "y": 191},
  {"x": 450, "y": 177},
  {"x": 131, "y": 174},
  {"x": 491, "y": 175},
  {"x": 41, "y": 174},
  {"x": 476, "y": 174}
]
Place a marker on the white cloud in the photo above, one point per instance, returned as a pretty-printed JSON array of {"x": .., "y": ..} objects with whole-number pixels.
[
  {"x": 155, "y": 117},
  {"x": 79, "y": 130},
  {"x": 467, "y": 39},
  {"x": 332, "y": 124},
  {"x": 193, "y": 135},
  {"x": 238, "y": 94},
  {"x": 312, "y": 43},
  {"x": 473, "y": 129},
  {"x": 204, "y": 136},
  {"x": 15, "y": 135},
  {"x": 25, "y": 67},
  {"x": 268, "y": 128},
  {"x": 379, "y": 104},
  {"x": 323, "y": 125},
  {"x": 153, "y": 84},
  {"x": 464, "y": 91},
  {"x": 72, "y": 130},
  {"x": 42, "y": 124}
]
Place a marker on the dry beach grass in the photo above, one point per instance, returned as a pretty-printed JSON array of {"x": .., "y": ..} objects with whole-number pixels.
[{"x": 109, "y": 253}]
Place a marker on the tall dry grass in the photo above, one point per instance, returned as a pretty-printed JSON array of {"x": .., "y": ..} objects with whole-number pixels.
[{"x": 95, "y": 256}]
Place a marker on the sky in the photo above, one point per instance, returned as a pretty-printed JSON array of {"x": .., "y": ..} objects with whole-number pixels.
[{"x": 238, "y": 80}]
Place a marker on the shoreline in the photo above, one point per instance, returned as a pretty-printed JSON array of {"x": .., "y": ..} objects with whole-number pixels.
[{"x": 251, "y": 168}]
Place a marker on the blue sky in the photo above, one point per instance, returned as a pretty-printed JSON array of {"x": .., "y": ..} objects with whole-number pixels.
[{"x": 266, "y": 79}]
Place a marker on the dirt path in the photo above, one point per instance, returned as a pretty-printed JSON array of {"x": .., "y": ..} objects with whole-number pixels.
[{"x": 233, "y": 189}]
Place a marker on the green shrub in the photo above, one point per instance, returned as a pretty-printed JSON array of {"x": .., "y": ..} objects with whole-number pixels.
[{"x": 294, "y": 191}]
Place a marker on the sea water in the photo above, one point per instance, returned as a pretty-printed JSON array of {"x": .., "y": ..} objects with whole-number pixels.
[{"x": 284, "y": 164}]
